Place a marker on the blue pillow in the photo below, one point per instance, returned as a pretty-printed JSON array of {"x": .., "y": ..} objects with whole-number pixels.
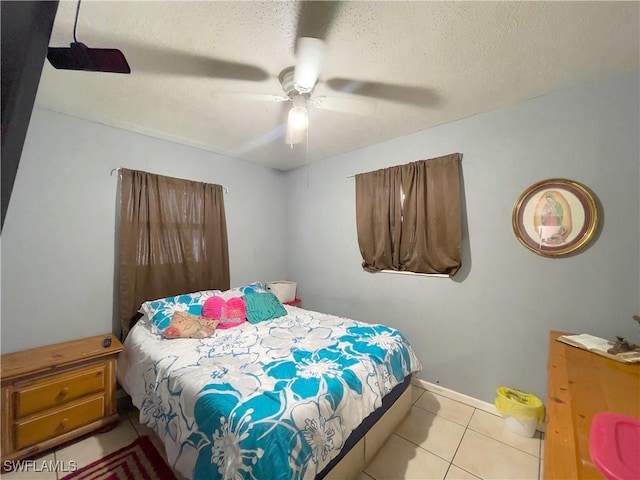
[
  {"x": 263, "y": 306},
  {"x": 160, "y": 311},
  {"x": 240, "y": 291}
]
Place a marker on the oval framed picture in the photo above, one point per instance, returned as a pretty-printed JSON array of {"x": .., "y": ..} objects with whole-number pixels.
[{"x": 555, "y": 217}]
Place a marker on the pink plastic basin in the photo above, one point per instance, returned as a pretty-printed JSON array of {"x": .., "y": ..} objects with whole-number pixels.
[{"x": 614, "y": 445}]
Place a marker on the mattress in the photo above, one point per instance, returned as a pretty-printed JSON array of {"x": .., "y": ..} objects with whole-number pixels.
[{"x": 278, "y": 399}]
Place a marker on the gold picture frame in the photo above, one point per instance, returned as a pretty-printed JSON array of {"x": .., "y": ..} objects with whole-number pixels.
[{"x": 555, "y": 217}]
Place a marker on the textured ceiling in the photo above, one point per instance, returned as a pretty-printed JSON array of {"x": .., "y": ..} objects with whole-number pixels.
[{"x": 425, "y": 63}]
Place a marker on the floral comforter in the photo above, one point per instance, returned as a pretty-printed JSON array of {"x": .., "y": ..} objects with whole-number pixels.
[{"x": 275, "y": 400}]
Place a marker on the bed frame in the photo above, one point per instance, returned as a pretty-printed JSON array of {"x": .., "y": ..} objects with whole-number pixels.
[{"x": 366, "y": 440}]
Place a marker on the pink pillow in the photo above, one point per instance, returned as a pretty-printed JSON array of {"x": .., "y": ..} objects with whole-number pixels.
[{"x": 229, "y": 313}]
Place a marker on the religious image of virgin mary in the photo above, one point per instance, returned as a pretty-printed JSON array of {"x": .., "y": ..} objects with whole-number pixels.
[
  {"x": 552, "y": 218},
  {"x": 552, "y": 212}
]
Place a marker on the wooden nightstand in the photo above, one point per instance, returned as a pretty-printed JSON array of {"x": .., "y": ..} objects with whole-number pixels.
[
  {"x": 53, "y": 394},
  {"x": 296, "y": 302}
]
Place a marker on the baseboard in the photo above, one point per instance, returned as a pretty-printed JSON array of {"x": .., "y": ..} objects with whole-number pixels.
[
  {"x": 453, "y": 395},
  {"x": 461, "y": 397}
]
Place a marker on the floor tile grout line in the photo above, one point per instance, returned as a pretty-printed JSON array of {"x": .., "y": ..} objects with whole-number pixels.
[
  {"x": 446, "y": 418},
  {"x": 504, "y": 443},
  {"x": 539, "y": 469},
  {"x": 433, "y": 453},
  {"x": 441, "y": 416},
  {"x": 460, "y": 442},
  {"x": 134, "y": 427},
  {"x": 422, "y": 448},
  {"x": 541, "y": 445},
  {"x": 467, "y": 471},
  {"x": 448, "y": 398},
  {"x": 540, "y": 459},
  {"x": 447, "y": 471}
]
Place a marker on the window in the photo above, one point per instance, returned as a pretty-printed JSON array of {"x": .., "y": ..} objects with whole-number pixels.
[
  {"x": 173, "y": 239},
  {"x": 409, "y": 217}
]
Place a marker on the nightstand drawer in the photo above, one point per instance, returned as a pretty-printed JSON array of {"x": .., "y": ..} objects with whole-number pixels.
[
  {"x": 58, "y": 389},
  {"x": 44, "y": 427}
]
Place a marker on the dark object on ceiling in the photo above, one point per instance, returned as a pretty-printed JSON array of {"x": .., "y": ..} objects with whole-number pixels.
[{"x": 81, "y": 57}]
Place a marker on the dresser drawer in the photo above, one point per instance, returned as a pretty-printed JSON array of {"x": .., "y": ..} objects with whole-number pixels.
[
  {"x": 59, "y": 389},
  {"x": 59, "y": 421}
]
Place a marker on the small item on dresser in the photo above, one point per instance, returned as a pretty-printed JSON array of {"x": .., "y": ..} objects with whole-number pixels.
[
  {"x": 106, "y": 342},
  {"x": 621, "y": 346},
  {"x": 601, "y": 346}
]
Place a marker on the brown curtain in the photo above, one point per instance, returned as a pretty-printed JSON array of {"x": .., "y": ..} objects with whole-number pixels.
[
  {"x": 173, "y": 239},
  {"x": 409, "y": 217}
]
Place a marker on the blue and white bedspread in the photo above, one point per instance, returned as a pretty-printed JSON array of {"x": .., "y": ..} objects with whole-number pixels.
[{"x": 274, "y": 400}]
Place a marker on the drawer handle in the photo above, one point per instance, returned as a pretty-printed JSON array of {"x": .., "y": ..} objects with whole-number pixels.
[
  {"x": 63, "y": 393},
  {"x": 63, "y": 424}
]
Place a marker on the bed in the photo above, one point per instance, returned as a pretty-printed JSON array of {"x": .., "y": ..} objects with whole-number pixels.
[{"x": 303, "y": 396}]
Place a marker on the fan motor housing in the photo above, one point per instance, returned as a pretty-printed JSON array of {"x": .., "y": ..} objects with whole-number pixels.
[{"x": 286, "y": 80}]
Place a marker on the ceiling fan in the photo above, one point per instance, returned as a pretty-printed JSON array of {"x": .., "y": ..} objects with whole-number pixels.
[{"x": 298, "y": 83}]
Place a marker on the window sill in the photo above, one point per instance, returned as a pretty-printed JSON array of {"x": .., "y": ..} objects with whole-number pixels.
[{"x": 436, "y": 275}]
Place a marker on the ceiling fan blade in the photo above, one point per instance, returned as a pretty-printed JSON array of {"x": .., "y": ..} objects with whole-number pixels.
[
  {"x": 170, "y": 61},
  {"x": 417, "y": 96},
  {"x": 174, "y": 62},
  {"x": 309, "y": 55},
  {"x": 356, "y": 106},
  {"x": 250, "y": 96}
]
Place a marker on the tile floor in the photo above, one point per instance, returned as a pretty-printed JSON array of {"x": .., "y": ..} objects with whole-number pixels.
[{"x": 440, "y": 439}]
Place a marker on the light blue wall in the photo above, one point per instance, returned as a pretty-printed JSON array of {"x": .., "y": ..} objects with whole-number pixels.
[
  {"x": 58, "y": 238},
  {"x": 489, "y": 325}
]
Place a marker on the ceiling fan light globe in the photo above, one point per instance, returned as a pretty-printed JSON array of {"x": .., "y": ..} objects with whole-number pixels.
[{"x": 298, "y": 118}]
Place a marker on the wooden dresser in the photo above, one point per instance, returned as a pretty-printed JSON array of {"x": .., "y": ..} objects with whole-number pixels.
[
  {"x": 53, "y": 394},
  {"x": 581, "y": 384}
]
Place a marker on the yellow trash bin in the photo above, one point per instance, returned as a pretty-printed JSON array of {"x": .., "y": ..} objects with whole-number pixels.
[{"x": 521, "y": 411}]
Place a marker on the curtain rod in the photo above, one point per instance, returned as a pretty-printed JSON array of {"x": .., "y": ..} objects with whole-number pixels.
[
  {"x": 355, "y": 174},
  {"x": 224, "y": 187}
]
